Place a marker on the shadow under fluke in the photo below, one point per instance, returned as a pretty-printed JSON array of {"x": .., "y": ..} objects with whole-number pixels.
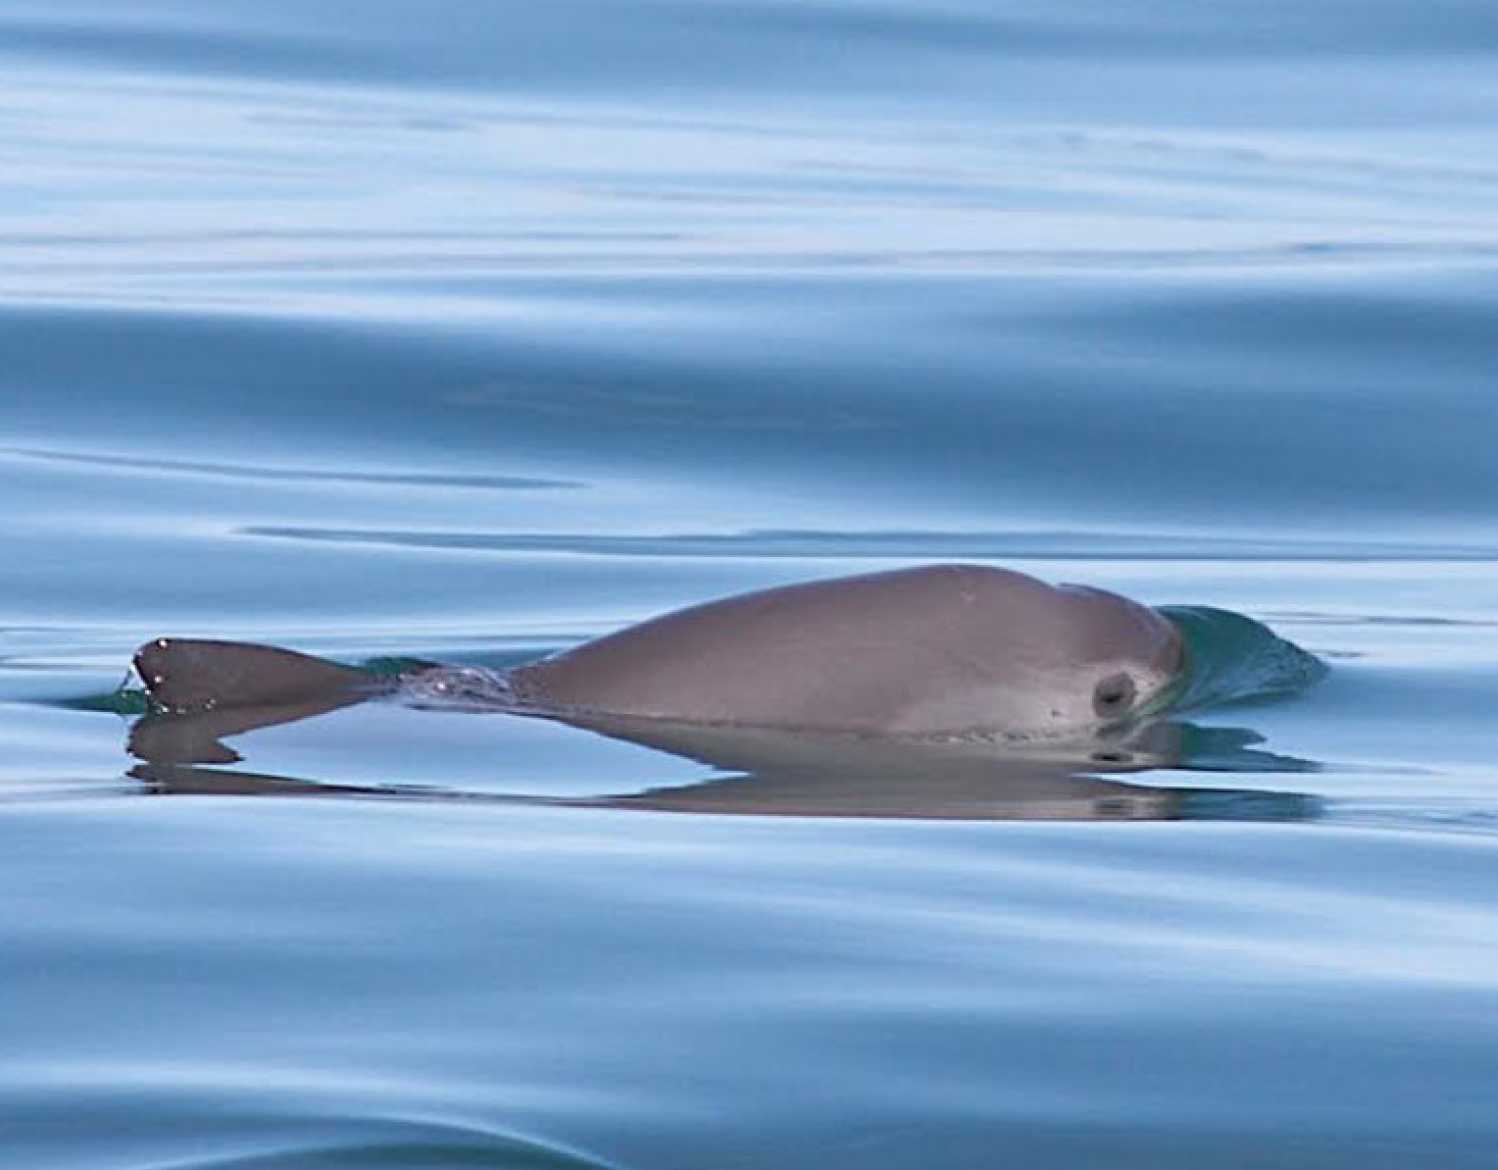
[{"x": 781, "y": 773}]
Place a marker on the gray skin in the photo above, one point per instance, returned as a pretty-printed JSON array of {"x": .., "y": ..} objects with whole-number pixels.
[
  {"x": 941, "y": 650},
  {"x": 944, "y": 691},
  {"x": 936, "y": 650}
]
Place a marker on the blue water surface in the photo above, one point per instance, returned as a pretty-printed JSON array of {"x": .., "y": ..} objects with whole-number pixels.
[{"x": 465, "y": 331}]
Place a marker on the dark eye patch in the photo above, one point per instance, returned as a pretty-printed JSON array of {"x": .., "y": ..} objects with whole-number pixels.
[{"x": 1114, "y": 695}]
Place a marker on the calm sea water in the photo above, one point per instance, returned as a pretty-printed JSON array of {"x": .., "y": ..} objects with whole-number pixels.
[{"x": 467, "y": 330}]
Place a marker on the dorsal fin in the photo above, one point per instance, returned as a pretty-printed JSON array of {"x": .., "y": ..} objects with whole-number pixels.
[{"x": 191, "y": 674}]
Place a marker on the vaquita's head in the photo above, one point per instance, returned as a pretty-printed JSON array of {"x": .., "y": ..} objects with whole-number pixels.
[{"x": 1017, "y": 655}]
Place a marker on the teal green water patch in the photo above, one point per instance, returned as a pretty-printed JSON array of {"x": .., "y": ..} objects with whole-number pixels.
[
  {"x": 1199, "y": 748},
  {"x": 125, "y": 700},
  {"x": 393, "y": 666},
  {"x": 1224, "y": 804},
  {"x": 1232, "y": 659}
]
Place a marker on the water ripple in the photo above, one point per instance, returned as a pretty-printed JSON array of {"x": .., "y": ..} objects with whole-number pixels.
[
  {"x": 911, "y": 544},
  {"x": 300, "y": 475}
]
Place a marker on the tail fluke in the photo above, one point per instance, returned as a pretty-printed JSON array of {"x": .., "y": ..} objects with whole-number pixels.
[{"x": 188, "y": 674}]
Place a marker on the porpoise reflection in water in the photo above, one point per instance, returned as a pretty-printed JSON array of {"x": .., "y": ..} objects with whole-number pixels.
[{"x": 946, "y": 691}]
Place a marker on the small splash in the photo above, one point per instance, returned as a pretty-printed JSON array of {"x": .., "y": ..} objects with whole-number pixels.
[{"x": 457, "y": 688}]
